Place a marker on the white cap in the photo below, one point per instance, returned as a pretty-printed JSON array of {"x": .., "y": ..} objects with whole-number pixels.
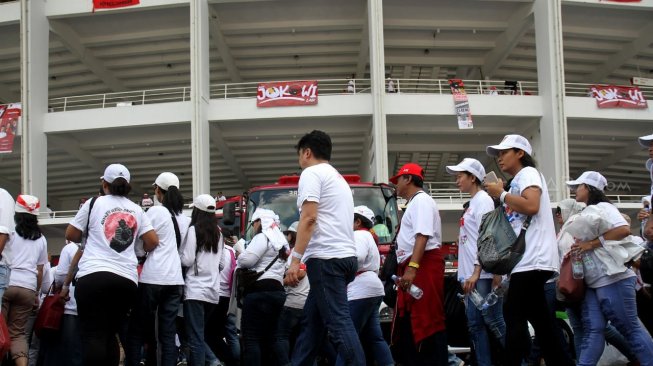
[
  {"x": 591, "y": 178},
  {"x": 27, "y": 204},
  {"x": 646, "y": 199},
  {"x": 468, "y": 165},
  {"x": 293, "y": 226},
  {"x": 114, "y": 171},
  {"x": 166, "y": 180},
  {"x": 510, "y": 142},
  {"x": 365, "y": 212},
  {"x": 645, "y": 141},
  {"x": 204, "y": 202},
  {"x": 261, "y": 213}
]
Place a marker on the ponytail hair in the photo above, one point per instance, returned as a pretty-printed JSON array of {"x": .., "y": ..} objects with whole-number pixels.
[{"x": 173, "y": 200}]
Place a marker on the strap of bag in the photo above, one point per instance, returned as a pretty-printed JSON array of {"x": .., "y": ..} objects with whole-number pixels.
[{"x": 88, "y": 221}]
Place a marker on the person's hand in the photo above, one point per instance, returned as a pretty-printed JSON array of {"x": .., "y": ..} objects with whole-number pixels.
[
  {"x": 293, "y": 274},
  {"x": 643, "y": 215},
  {"x": 470, "y": 283},
  {"x": 494, "y": 189},
  {"x": 496, "y": 281},
  {"x": 581, "y": 247},
  {"x": 64, "y": 295},
  {"x": 37, "y": 301},
  {"x": 407, "y": 279}
]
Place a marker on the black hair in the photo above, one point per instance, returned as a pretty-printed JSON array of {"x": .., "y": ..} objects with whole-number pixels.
[
  {"x": 172, "y": 199},
  {"x": 417, "y": 181},
  {"x": 595, "y": 195},
  {"x": 365, "y": 222},
  {"x": 293, "y": 238},
  {"x": 119, "y": 187},
  {"x": 319, "y": 143},
  {"x": 207, "y": 233},
  {"x": 526, "y": 160},
  {"x": 27, "y": 226},
  {"x": 475, "y": 179}
]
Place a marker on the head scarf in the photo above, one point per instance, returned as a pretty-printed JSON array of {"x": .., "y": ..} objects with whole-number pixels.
[{"x": 270, "y": 228}]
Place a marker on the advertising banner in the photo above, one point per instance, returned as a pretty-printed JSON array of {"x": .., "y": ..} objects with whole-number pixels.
[
  {"x": 9, "y": 116},
  {"x": 287, "y": 93},
  {"x": 112, "y": 4},
  {"x": 610, "y": 96},
  {"x": 461, "y": 104}
]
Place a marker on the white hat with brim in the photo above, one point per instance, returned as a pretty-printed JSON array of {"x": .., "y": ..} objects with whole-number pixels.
[
  {"x": 204, "y": 202},
  {"x": 469, "y": 165},
  {"x": 166, "y": 180},
  {"x": 27, "y": 204},
  {"x": 646, "y": 141},
  {"x": 510, "y": 142},
  {"x": 293, "y": 227},
  {"x": 115, "y": 171},
  {"x": 366, "y": 212},
  {"x": 591, "y": 178}
]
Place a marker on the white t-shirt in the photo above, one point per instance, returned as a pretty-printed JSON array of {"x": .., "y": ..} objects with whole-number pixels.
[
  {"x": 6, "y": 218},
  {"x": 258, "y": 255},
  {"x": 479, "y": 205},
  {"x": 296, "y": 296},
  {"x": 541, "y": 245},
  {"x": 421, "y": 217},
  {"x": 116, "y": 224},
  {"x": 205, "y": 285},
  {"x": 25, "y": 256},
  {"x": 227, "y": 273},
  {"x": 333, "y": 236},
  {"x": 67, "y": 254},
  {"x": 162, "y": 266},
  {"x": 367, "y": 283}
]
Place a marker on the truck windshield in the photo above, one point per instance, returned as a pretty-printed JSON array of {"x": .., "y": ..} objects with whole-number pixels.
[{"x": 284, "y": 203}]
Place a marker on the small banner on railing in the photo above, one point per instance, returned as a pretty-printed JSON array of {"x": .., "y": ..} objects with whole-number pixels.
[
  {"x": 462, "y": 104},
  {"x": 112, "y": 4},
  {"x": 9, "y": 117},
  {"x": 286, "y": 93},
  {"x": 610, "y": 96}
]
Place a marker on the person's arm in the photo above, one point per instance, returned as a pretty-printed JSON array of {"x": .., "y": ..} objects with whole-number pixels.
[
  {"x": 69, "y": 276},
  {"x": 528, "y": 203},
  {"x": 150, "y": 240},
  {"x": 616, "y": 233},
  {"x": 73, "y": 234},
  {"x": 648, "y": 229},
  {"x": 418, "y": 252},
  {"x": 39, "y": 282},
  {"x": 254, "y": 252},
  {"x": 470, "y": 283},
  {"x": 307, "y": 221},
  {"x": 4, "y": 238},
  {"x": 188, "y": 248}
]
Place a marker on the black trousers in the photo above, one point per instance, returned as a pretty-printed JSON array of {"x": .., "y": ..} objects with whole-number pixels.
[{"x": 103, "y": 301}]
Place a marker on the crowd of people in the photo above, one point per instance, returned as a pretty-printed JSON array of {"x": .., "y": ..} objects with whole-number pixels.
[{"x": 169, "y": 289}]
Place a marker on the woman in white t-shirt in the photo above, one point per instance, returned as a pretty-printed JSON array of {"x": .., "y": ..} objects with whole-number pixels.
[
  {"x": 610, "y": 288},
  {"x": 201, "y": 253},
  {"x": 160, "y": 285},
  {"x": 26, "y": 252},
  {"x": 469, "y": 175},
  {"x": 528, "y": 195},
  {"x": 263, "y": 300},
  {"x": 107, "y": 278}
]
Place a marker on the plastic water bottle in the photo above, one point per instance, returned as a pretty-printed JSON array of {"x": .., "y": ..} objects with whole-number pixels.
[
  {"x": 476, "y": 298},
  {"x": 577, "y": 266},
  {"x": 414, "y": 291},
  {"x": 493, "y": 297}
]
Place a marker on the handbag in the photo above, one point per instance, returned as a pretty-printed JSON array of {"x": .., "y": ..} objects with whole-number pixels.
[
  {"x": 499, "y": 249},
  {"x": 245, "y": 278},
  {"x": 572, "y": 289},
  {"x": 50, "y": 313},
  {"x": 389, "y": 269},
  {"x": 5, "y": 341}
]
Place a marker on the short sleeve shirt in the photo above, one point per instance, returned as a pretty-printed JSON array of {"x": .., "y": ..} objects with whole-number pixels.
[
  {"x": 25, "y": 256},
  {"x": 421, "y": 217},
  {"x": 470, "y": 222}
]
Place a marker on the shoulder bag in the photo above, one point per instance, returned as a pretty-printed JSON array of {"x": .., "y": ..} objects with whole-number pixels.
[
  {"x": 499, "y": 249},
  {"x": 572, "y": 289},
  {"x": 245, "y": 278}
]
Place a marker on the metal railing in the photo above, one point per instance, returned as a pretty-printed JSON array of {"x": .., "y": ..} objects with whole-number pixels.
[
  {"x": 325, "y": 87},
  {"x": 122, "y": 99},
  {"x": 585, "y": 90},
  {"x": 441, "y": 86}
]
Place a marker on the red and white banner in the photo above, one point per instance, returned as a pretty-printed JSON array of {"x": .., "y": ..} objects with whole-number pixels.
[
  {"x": 462, "y": 104},
  {"x": 286, "y": 93},
  {"x": 112, "y": 4},
  {"x": 9, "y": 117},
  {"x": 610, "y": 96}
]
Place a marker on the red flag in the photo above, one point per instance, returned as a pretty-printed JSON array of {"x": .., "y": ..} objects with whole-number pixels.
[
  {"x": 9, "y": 115},
  {"x": 112, "y": 4}
]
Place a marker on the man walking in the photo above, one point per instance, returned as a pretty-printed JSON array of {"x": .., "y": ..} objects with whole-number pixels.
[
  {"x": 419, "y": 326},
  {"x": 325, "y": 242}
]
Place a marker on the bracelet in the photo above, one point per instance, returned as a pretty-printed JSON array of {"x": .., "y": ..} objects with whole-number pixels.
[
  {"x": 297, "y": 255},
  {"x": 601, "y": 240},
  {"x": 502, "y": 198},
  {"x": 413, "y": 264}
]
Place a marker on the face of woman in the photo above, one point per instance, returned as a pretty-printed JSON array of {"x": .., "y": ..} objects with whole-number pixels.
[
  {"x": 582, "y": 193},
  {"x": 464, "y": 182},
  {"x": 508, "y": 160},
  {"x": 256, "y": 226}
]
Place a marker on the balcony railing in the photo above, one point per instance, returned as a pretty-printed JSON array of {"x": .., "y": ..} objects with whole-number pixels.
[
  {"x": 584, "y": 90},
  {"x": 325, "y": 87},
  {"x": 441, "y": 86},
  {"x": 122, "y": 99}
]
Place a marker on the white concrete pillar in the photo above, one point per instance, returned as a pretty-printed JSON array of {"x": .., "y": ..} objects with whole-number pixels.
[
  {"x": 34, "y": 38},
  {"x": 379, "y": 149},
  {"x": 200, "y": 96},
  {"x": 551, "y": 150}
]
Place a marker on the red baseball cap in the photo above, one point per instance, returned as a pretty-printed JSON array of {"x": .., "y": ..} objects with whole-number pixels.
[{"x": 408, "y": 168}]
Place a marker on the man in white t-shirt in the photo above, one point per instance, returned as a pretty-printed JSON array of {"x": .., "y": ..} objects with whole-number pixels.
[
  {"x": 420, "y": 322},
  {"x": 325, "y": 242},
  {"x": 647, "y": 142}
]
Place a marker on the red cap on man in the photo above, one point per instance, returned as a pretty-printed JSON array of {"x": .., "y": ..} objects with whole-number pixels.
[{"x": 408, "y": 169}]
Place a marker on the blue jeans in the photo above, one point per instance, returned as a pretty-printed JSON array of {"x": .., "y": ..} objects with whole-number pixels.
[
  {"x": 327, "y": 309},
  {"x": 365, "y": 315},
  {"x": 614, "y": 302},
  {"x": 196, "y": 314},
  {"x": 478, "y": 320},
  {"x": 5, "y": 271},
  {"x": 259, "y": 323},
  {"x": 153, "y": 300},
  {"x": 289, "y": 321},
  {"x": 231, "y": 337}
]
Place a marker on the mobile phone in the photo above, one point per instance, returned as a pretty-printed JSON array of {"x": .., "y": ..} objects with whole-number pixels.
[{"x": 491, "y": 177}]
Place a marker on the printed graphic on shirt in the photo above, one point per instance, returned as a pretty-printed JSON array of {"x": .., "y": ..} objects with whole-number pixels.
[
  {"x": 514, "y": 217},
  {"x": 120, "y": 227},
  {"x": 463, "y": 237}
]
